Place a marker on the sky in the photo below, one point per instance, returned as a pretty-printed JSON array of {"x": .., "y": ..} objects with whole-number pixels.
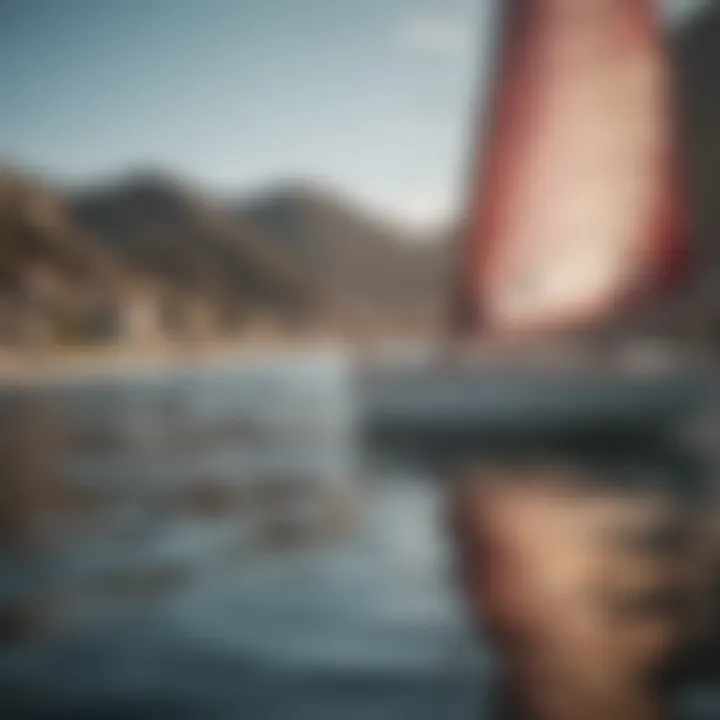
[{"x": 372, "y": 97}]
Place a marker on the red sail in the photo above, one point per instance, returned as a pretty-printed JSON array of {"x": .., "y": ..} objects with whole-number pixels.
[{"x": 578, "y": 207}]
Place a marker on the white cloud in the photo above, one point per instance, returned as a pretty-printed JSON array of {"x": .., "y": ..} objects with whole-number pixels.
[{"x": 435, "y": 34}]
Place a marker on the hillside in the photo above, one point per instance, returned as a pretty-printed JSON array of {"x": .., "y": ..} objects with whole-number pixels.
[
  {"x": 147, "y": 256},
  {"x": 56, "y": 282},
  {"x": 164, "y": 231},
  {"x": 341, "y": 245},
  {"x": 348, "y": 252},
  {"x": 298, "y": 255}
]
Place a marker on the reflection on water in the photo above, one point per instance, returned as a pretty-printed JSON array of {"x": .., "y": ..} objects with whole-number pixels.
[{"x": 199, "y": 544}]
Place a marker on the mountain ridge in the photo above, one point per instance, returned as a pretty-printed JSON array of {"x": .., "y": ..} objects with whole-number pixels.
[{"x": 155, "y": 237}]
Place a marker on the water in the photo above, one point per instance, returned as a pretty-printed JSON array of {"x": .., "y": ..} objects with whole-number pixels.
[{"x": 204, "y": 544}]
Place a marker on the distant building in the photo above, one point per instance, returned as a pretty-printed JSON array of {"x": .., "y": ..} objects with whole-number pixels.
[
  {"x": 140, "y": 318},
  {"x": 131, "y": 315}
]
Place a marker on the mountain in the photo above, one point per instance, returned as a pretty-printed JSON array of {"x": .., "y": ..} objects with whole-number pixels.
[
  {"x": 55, "y": 281},
  {"x": 298, "y": 253},
  {"x": 168, "y": 233},
  {"x": 347, "y": 250},
  {"x": 149, "y": 255}
]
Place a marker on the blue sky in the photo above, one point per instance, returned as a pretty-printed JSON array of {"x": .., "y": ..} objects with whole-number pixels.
[{"x": 371, "y": 96}]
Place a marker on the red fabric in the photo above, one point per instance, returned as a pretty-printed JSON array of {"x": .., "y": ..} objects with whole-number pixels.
[{"x": 578, "y": 206}]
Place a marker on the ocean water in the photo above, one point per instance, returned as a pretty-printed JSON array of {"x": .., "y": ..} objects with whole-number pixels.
[
  {"x": 205, "y": 543},
  {"x": 209, "y": 543}
]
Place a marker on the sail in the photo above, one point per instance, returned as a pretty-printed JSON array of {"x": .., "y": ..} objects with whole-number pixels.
[{"x": 577, "y": 208}]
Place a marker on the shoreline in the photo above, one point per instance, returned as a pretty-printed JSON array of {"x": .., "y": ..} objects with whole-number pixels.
[
  {"x": 31, "y": 367},
  {"x": 21, "y": 367},
  {"x": 72, "y": 363}
]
